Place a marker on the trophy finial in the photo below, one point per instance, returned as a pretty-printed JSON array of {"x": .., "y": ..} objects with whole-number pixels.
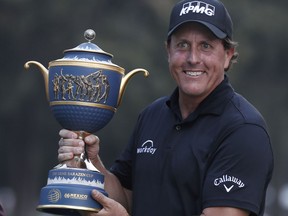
[{"x": 89, "y": 35}]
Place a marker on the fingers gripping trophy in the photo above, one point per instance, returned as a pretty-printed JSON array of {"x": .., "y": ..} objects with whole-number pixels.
[{"x": 84, "y": 89}]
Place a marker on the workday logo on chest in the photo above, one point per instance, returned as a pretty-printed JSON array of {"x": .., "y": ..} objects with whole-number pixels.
[
  {"x": 198, "y": 7},
  {"x": 147, "y": 148}
]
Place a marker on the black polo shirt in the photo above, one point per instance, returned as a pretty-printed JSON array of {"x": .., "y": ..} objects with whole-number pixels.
[{"x": 219, "y": 156}]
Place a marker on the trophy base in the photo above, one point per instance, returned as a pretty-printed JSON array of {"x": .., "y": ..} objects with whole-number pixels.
[{"x": 68, "y": 191}]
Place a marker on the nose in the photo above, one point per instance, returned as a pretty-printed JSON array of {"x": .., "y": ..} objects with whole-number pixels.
[{"x": 193, "y": 56}]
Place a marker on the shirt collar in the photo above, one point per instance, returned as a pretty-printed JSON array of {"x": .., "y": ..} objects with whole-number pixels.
[{"x": 213, "y": 104}]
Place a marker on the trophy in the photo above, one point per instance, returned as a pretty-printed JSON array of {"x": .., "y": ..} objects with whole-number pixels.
[{"x": 84, "y": 89}]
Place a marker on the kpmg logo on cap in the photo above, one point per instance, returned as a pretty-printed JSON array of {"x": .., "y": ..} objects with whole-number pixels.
[{"x": 198, "y": 7}]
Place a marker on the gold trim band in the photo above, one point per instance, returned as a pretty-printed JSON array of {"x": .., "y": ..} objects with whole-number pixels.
[
  {"x": 57, "y": 103},
  {"x": 79, "y": 63}
]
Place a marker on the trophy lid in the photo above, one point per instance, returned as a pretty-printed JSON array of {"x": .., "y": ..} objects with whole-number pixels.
[{"x": 82, "y": 51}]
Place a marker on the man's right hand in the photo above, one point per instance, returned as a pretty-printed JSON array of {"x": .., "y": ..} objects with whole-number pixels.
[{"x": 71, "y": 145}]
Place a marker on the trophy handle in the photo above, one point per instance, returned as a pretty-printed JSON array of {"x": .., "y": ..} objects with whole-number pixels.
[
  {"x": 44, "y": 72},
  {"x": 125, "y": 80}
]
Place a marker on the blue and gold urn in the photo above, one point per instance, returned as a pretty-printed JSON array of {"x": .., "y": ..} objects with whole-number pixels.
[{"x": 84, "y": 89}]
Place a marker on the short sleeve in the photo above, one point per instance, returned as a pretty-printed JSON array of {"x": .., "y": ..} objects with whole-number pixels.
[
  {"x": 123, "y": 165},
  {"x": 240, "y": 170},
  {"x": 122, "y": 168}
]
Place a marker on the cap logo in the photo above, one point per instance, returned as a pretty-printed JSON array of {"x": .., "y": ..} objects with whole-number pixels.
[{"x": 198, "y": 7}]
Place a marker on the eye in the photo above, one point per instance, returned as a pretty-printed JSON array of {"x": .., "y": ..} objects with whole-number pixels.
[
  {"x": 183, "y": 45},
  {"x": 206, "y": 46}
]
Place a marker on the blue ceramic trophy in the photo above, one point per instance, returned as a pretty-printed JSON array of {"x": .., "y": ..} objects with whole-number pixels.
[{"x": 84, "y": 89}]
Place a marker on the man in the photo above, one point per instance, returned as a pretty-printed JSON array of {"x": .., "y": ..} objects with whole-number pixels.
[{"x": 205, "y": 149}]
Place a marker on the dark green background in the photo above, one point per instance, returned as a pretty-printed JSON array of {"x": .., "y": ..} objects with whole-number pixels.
[{"x": 134, "y": 32}]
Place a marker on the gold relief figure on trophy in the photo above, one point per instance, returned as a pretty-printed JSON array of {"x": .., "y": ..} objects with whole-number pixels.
[
  {"x": 94, "y": 87},
  {"x": 56, "y": 88}
]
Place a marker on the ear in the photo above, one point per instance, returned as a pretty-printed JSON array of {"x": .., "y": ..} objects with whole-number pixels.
[
  {"x": 228, "y": 55},
  {"x": 167, "y": 45}
]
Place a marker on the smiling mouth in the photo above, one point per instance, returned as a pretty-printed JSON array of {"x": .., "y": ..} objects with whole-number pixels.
[{"x": 194, "y": 74}]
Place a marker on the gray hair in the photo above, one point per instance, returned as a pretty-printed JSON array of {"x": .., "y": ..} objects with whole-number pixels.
[{"x": 228, "y": 44}]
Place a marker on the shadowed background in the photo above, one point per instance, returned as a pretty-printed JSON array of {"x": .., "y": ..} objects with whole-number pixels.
[{"x": 134, "y": 32}]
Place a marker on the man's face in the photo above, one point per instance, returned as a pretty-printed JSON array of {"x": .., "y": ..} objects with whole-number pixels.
[{"x": 197, "y": 60}]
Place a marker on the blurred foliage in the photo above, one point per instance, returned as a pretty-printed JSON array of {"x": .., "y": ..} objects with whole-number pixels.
[{"x": 134, "y": 32}]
